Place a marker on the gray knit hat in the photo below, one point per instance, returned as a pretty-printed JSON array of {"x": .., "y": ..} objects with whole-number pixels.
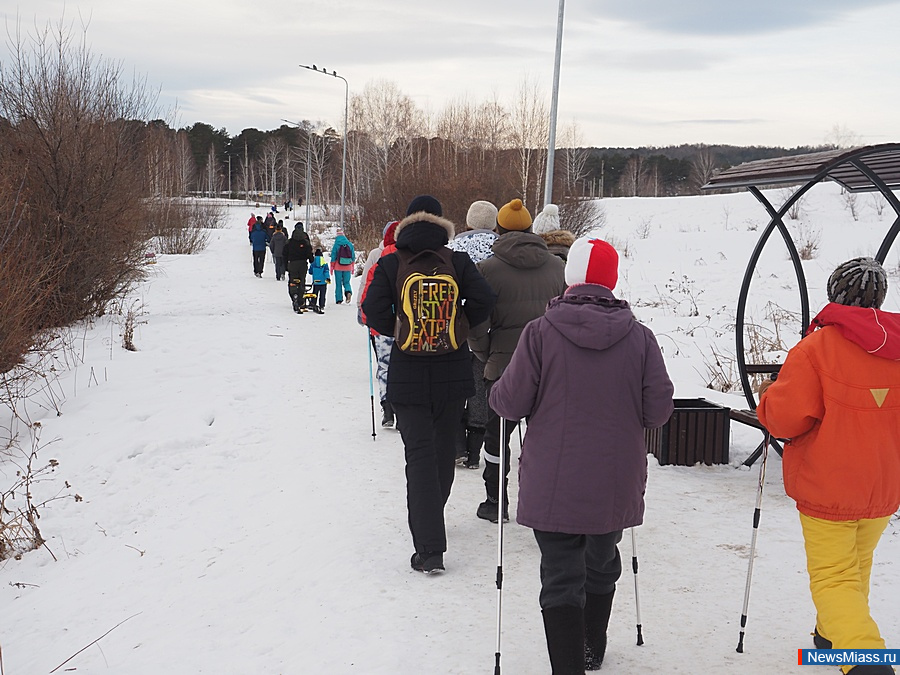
[
  {"x": 860, "y": 282},
  {"x": 482, "y": 215}
]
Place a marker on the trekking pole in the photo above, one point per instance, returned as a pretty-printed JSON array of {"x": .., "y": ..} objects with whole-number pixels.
[
  {"x": 637, "y": 597},
  {"x": 371, "y": 379},
  {"x": 500, "y": 540},
  {"x": 756, "y": 512}
]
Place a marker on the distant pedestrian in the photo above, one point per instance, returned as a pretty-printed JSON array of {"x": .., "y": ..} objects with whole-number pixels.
[
  {"x": 250, "y": 223},
  {"x": 477, "y": 240},
  {"x": 343, "y": 261},
  {"x": 298, "y": 253},
  {"x": 590, "y": 379},
  {"x": 276, "y": 244},
  {"x": 258, "y": 243},
  {"x": 320, "y": 280},
  {"x": 427, "y": 389}
]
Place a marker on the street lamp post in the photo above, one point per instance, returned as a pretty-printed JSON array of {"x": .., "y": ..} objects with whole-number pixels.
[
  {"x": 333, "y": 73},
  {"x": 551, "y": 150},
  {"x": 308, "y": 178}
]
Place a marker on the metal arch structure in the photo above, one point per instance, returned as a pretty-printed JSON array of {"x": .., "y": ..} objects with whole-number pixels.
[{"x": 869, "y": 168}]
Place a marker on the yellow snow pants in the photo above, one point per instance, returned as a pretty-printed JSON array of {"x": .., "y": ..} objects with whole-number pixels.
[{"x": 839, "y": 562}]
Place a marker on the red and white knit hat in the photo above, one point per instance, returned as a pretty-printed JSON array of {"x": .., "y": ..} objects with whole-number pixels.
[{"x": 592, "y": 261}]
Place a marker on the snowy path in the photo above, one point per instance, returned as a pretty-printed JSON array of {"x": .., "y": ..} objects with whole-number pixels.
[{"x": 236, "y": 506}]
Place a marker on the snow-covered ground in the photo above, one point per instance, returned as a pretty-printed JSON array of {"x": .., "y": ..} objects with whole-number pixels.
[{"x": 238, "y": 517}]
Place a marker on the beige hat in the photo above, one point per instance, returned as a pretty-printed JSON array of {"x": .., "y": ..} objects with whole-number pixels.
[{"x": 482, "y": 215}]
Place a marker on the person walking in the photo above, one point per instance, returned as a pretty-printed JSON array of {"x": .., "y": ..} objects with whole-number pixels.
[
  {"x": 525, "y": 276},
  {"x": 381, "y": 344},
  {"x": 476, "y": 240},
  {"x": 343, "y": 260},
  {"x": 427, "y": 390},
  {"x": 320, "y": 280},
  {"x": 836, "y": 401},
  {"x": 298, "y": 253},
  {"x": 276, "y": 244},
  {"x": 558, "y": 240},
  {"x": 259, "y": 240},
  {"x": 590, "y": 379}
]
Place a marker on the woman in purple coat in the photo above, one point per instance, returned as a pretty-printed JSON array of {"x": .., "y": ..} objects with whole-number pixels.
[{"x": 589, "y": 379}]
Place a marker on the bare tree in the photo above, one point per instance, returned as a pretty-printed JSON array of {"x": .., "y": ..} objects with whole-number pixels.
[
  {"x": 704, "y": 166},
  {"x": 574, "y": 157},
  {"x": 841, "y": 136},
  {"x": 632, "y": 176},
  {"x": 529, "y": 136},
  {"x": 74, "y": 130}
]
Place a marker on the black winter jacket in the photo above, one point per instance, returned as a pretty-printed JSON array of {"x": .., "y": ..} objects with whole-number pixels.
[{"x": 423, "y": 379}]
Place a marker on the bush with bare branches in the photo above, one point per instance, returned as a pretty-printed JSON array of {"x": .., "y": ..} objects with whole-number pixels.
[{"x": 71, "y": 128}]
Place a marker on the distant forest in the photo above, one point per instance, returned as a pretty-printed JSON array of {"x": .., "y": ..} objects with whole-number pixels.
[{"x": 604, "y": 172}]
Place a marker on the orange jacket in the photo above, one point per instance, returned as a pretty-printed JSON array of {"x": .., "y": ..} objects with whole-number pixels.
[{"x": 839, "y": 404}]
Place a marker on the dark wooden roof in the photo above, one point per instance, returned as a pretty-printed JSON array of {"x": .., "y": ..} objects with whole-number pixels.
[{"x": 837, "y": 165}]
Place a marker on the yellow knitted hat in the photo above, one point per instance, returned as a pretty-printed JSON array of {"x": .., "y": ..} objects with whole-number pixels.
[{"x": 514, "y": 216}]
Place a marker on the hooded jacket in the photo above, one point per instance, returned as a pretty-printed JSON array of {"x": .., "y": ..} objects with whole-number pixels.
[
  {"x": 837, "y": 400},
  {"x": 559, "y": 242},
  {"x": 423, "y": 379},
  {"x": 319, "y": 271},
  {"x": 277, "y": 243},
  {"x": 336, "y": 266},
  {"x": 525, "y": 276},
  {"x": 298, "y": 253},
  {"x": 590, "y": 379},
  {"x": 258, "y": 238}
]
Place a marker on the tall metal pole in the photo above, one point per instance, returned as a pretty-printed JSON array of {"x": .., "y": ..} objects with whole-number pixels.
[
  {"x": 308, "y": 174},
  {"x": 333, "y": 73},
  {"x": 551, "y": 150}
]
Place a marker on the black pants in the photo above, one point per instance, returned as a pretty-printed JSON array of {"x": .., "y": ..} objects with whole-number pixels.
[
  {"x": 259, "y": 260},
  {"x": 491, "y": 473},
  {"x": 429, "y": 432},
  {"x": 575, "y": 564},
  {"x": 319, "y": 290},
  {"x": 279, "y": 268}
]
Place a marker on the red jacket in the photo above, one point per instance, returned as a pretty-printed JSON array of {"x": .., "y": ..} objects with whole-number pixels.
[{"x": 837, "y": 398}]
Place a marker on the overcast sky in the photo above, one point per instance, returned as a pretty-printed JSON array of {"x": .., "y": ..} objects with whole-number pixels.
[{"x": 634, "y": 72}]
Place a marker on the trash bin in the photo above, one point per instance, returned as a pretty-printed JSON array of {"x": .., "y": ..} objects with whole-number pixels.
[{"x": 697, "y": 431}]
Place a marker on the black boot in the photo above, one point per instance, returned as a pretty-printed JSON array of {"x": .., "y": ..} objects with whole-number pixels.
[
  {"x": 597, "y": 609},
  {"x": 387, "y": 415},
  {"x": 474, "y": 440},
  {"x": 819, "y": 641},
  {"x": 564, "y": 628}
]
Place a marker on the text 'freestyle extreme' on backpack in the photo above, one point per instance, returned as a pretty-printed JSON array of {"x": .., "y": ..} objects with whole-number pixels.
[
  {"x": 344, "y": 255},
  {"x": 430, "y": 320}
]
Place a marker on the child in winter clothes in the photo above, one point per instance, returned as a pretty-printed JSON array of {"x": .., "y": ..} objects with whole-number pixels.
[
  {"x": 590, "y": 379},
  {"x": 343, "y": 261},
  {"x": 836, "y": 400},
  {"x": 321, "y": 279}
]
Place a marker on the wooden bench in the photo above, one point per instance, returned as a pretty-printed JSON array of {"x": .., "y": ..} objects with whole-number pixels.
[{"x": 749, "y": 418}]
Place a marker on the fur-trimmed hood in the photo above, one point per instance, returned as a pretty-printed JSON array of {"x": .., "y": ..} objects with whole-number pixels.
[
  {"x": 558, "y": 238},
  {"x": 424, "y": 217}
]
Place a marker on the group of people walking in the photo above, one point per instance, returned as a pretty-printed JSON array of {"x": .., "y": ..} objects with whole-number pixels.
[
  {"x": 546, "y": 340},
  {"x": 445, "y": 404},
  {"x": 295, "y": 258}
]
